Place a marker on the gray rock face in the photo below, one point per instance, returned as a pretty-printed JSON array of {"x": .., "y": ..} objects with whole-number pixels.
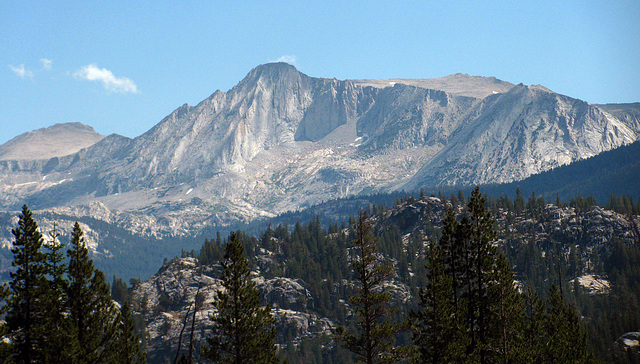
[
  {"x": 168, "y": 297},
  {"x": 411, "y": 117},
  {"x": 592, "y": 233},
  {"x": 459, "y": 84},
  {"x": 281, "y": 140},
  {"x": 520, "y": 133}
]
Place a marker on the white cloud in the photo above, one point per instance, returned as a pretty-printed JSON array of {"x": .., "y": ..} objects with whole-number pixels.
[
  {"x": 291, "y": 59},
  {"x": 110, "y": 82},
  {"x": 21, "y": 71},
  {"x": 46, "y": 63}
]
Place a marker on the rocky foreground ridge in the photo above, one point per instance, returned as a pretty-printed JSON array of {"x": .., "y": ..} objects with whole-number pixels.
[
  {"x": 281, "y": 140},
  {"x": 168, "y": 297}
]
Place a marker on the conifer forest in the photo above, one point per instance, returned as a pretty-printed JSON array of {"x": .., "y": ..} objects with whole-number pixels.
[{"x": 446, "y": 279}]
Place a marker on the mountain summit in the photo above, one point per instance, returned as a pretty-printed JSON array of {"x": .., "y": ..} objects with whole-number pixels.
[
  {"x": 281, "y": 140},
  {"x": 55, "y": 141}
]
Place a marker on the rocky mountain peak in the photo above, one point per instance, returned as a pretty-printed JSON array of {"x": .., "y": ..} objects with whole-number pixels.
[
  {"x": 54, "y": 141},
  {"x": 281, "y": 140},
  {"x": 277, "y": 74}
]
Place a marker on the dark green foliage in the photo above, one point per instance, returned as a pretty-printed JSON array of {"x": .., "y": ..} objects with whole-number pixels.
[
  {"x": 623, "y": 204},
  {"x": 243, "y": 331},
  {"x": 61, "y": 343},
  {"x": 313, "y": 254},
  {"x": 212, "y": 251},
  {"x": 618, "y": 312},
  {"x": 438, "y": 331},
  {"x": 533, "y": 327},
  {"x": 5, "y": 348},
  {"x": 120, "y": 291},
  {"x": 373, "y": 342},
  {"x": 506, "y": 338},
  {"x": 27, "y": 311},
  {"x": 90, "y": 307},
  {"x": 126, "y": 348},
  {"x": 517, "y": 332},
  {"x": 566, "y": 338},
  {"x": 58, "y": 313},
  {"x": 471, "y": 310}
]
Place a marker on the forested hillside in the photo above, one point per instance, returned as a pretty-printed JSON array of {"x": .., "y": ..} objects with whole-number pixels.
[{"x": 575, "y": 252}]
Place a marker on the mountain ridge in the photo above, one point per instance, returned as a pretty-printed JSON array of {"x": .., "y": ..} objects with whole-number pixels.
[
  {"x": 57, "y": 140},
  {"x": 280, "y": 140}
]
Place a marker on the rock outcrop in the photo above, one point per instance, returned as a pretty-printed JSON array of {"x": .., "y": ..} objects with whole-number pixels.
[{"x": 166, "y": 301}]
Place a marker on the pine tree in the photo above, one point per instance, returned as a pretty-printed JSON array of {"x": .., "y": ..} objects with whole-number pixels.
[
  {"x": 126, "y": 348},
  {"x": 533, "y": 328},
  {"x": 470, "y": 307},
  {"x": 60, "y": 344},
  {"x": 505, "y": 337},
  {"x": 91, "y": 309},
  {"x": 27, "y": 313},
  {"x": 244, "y": 332},
  {"x": 481, "y": 236},
  {"x": 566, "y": 338},
  {"x": 374, "y": 341},
  {"x": 438, "y": 333},
  {"x": 5, "y": 347},
  {"x": 518, "y": 202}
]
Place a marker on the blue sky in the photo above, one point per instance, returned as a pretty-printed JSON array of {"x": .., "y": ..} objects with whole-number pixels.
[{"x": 121, "y": 66}]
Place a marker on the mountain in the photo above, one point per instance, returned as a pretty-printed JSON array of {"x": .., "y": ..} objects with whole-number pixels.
[
  {"x": 629, "y": 113},
  {"x": 615, "y": 172},
  {"x": 46, "y": 143},
  {"x": 281, "y": 140},
  {"x": 522, "y": 132},
  {"x": 459, "y": 84}
]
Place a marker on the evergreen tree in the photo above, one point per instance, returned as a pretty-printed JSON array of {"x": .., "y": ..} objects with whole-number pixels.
[
  {"x": 127, "y": 349},
  {"x": 375, "y": 338},
  {"x": 533, "y": 328},
  {"x": 244, "y": 332},
  {"x": 438, "y": 333},
  {"x": 566, "y": 338},
  {"x": 518, "y": 202},
  {"x": 52, "y": 319},
  {"x": 482, "y": 264},
  {"x": 91, "y": 309},
  {"x": 505, "y": 337},
  {"x": 470, "y": 307},
  {"x": 60, "y": 344},
  {"x": 27, "y": 313}
]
